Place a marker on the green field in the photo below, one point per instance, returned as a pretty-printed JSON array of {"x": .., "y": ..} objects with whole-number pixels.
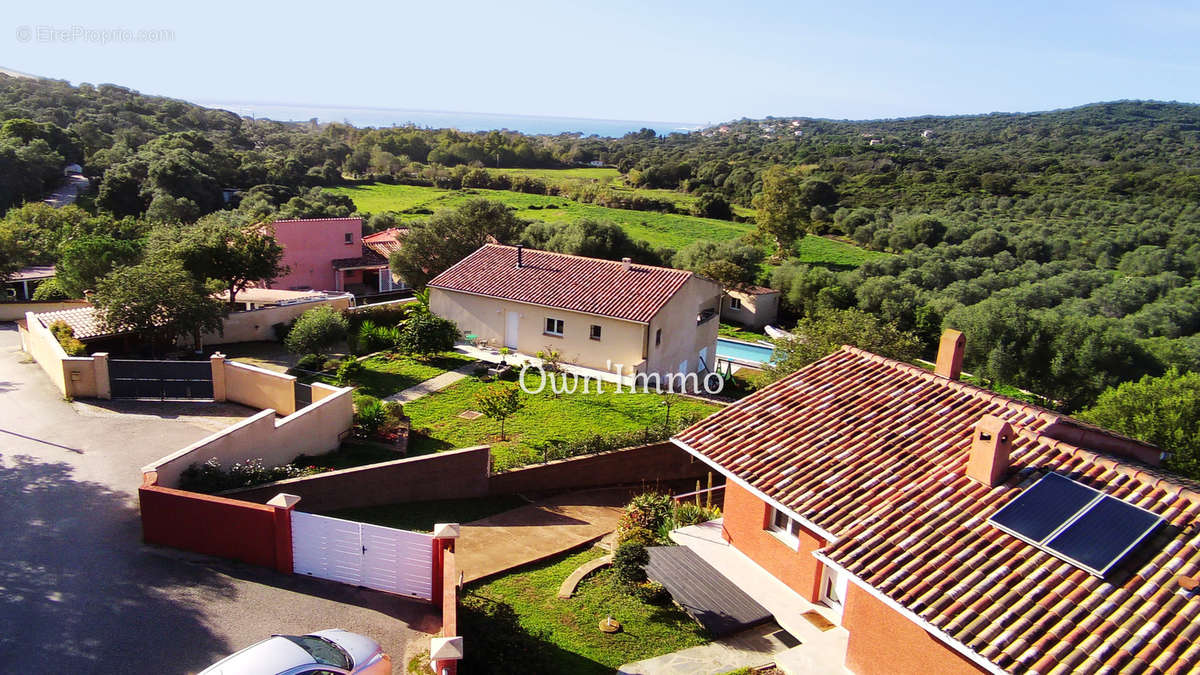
[
  {"x": 660, "y": 229},
  {"x": 825, "y": 251}
]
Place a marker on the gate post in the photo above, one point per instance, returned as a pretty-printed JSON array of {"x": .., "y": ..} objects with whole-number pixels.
[
  {"x": 217, "y": 360},
  {"x": 283, "y": 503},
  {"x": 446, "y": 650},
  {"x": 100, "y": 368}
]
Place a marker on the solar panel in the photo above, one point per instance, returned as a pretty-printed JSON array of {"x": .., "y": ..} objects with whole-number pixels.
[
  {"x": 1044, "y": 507},
  {"x": 1071, "y": 521},
  {"x": 1100, "y": 537}
]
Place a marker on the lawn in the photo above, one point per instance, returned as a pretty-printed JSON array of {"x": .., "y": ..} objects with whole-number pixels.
[
  {"x": 825, "y": 251},
  {"x": 660, "y": 229},
  {"x": 383, "y": 376},
  {"x": 544, "y": 419},
  {"x": 421, "y": 516},
  {"x": 517, "y": 623},
  {"x": 736, "y": 332}
]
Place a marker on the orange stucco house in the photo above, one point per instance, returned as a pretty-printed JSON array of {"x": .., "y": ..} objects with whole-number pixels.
[{"x": 880, "y": 495}]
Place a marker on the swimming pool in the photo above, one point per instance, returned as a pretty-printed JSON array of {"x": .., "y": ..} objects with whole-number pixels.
[{"x": 745, "y": 352}]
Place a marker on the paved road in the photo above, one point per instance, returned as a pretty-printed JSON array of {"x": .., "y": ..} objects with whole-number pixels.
[{"x": 80, "y": 593}]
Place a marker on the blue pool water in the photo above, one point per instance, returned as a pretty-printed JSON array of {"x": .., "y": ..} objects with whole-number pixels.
[{"x": 741, "y": 351}]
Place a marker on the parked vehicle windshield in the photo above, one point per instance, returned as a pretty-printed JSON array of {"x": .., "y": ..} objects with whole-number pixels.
[{"x": 323, "y": 651}]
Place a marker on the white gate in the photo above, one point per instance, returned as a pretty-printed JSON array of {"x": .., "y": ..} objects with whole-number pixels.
[{"x": 383, "y": 558}]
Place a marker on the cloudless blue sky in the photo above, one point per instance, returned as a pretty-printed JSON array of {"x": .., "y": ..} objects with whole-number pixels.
[{"x": 694, "y": 61}]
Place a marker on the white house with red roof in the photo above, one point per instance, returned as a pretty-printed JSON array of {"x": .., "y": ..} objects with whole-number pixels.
[
  {"x": 596, "y": 313},
  {"x": 944, "y": 528}
]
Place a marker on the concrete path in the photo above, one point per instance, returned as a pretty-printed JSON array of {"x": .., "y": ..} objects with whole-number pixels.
[
  {"x": 82, "y": 594},
  {"x": 538, "y": 531},
  {"x": 755, "y": 647},
  {"x": 433, "y": 384}
]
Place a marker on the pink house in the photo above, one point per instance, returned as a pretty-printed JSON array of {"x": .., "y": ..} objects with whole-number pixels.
[{"x": 330, "y": 254}]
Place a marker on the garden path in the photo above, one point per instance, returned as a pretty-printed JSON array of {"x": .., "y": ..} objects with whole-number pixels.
[{"x": 436, "y": 383}]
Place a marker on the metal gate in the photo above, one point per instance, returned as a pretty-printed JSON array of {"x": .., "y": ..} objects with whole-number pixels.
[
  {"x": 303, "y": 395},
  {"x": 383, "y": 558},
  {"x": 160, "y": 379}
]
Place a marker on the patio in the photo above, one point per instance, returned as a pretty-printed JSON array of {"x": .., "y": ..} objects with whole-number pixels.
[
  {"x": 492, "y": 355},
  {"x": 819, "y": 651}
]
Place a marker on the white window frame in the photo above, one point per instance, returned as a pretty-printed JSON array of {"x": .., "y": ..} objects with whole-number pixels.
[
  {"x": 787, "y": 531},
  {"x": 562, "y": 325},
  {"x": 833, "y": 589},
  {"x": 735, "y": 304}
]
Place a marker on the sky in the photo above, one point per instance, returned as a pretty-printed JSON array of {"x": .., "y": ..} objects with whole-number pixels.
[{"x": 696, "y": 61}]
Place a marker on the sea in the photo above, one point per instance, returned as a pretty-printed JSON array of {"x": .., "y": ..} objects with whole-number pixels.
[{"x": 440, "y": 119}]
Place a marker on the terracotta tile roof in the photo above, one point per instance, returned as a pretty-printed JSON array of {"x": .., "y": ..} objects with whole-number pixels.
[
  {"x": 387, "y": 242},
  {"x": 368, "y": 258},
  {"x": 874, "y": 452},
  {"x": 589, "y": 285},
  {"x": 85, "y": 321}
]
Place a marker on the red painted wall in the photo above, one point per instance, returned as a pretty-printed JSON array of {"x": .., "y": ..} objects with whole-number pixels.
[
  {"x": 226, "y": 528},
  {"x": 885, "y": 642},
  {"x": 311, "y": 246},
  {"x": 745, "y": 527}
]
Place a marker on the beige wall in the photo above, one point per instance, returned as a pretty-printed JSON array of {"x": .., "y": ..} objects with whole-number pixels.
[
  {"x": 260, "y": 388},
  {"x": 256, "y": 324},
  {"x": 315, "y": 429},
  {"x": 71, "y": 375},
  {"x": 620, "y": 341},
  {"x": 682, "y": 339},
  {"x": 15, "y": 311},
  {"x": 757, "y": 310}
]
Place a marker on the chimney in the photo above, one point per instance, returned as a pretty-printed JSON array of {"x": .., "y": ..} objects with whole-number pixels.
[
  {"x": 626, "y": 263},
  {"x": 520, "y": 256},
  {"x": 950, "y": 354},
  {"x": 990, "y": 449}
]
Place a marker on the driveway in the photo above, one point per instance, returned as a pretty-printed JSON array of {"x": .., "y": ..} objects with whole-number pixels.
[{"x": 80, "y": 593}]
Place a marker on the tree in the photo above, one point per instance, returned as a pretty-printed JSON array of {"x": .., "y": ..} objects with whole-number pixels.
[
  {"x": 1163, "y": 410},
  {"x": 11, "y": 255},
  {"x": 222, "y": 248},
  {"x": 824, "y": 332},
  {"x": 425, "y": 334},
  {"x": 713, "y": 205},
  {"x": 84, "y": 261},
  {"x": 499, "y": 402},
  {"x": 781, "y": 209},
  {"x": 434, "y": 244},
  {"x": 591, "y": 238},
  {"x": 728, "y": 262},
  {"x": 316, "y": 330},
  {"x": 159, "y": 299}
]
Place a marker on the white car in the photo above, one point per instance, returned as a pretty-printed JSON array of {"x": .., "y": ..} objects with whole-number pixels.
[{"x": 325, "y": 652}]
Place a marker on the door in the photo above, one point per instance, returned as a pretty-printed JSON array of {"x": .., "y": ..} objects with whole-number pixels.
[
  {"x": 385, "y": 280},
  {"x": 510, "y": 330},
  {"x": 383, "y": 558},
  {"x": 703, "y": 364}
]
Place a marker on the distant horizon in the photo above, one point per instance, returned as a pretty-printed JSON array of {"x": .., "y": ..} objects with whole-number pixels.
[{"x": 697, "y": 61}]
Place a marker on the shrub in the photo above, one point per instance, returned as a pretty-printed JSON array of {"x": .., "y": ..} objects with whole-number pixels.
[
  {"x": 629, "y": 563},
  {"x": 650, "y": 509},
  {"x": 372, "y": 337},
  {"x": 369, "y": 414},
  {"x": 693, "y": 514},
  {"x": 66, "y": 337},
  {"x": 313, "y": 362},
  {"x": 636, "y": 535},
  {"x": 49, "y": 290},
  {"x": 281, "y": 330},
  {"x": 426, "y": 334},
  {"x": 347, "y": 372},
  {"x": 651, "y": 592},
  {"x": 316, "y": 330},
  {"x": 595, "y": 443},
  {"x": 211, "y": 477}
]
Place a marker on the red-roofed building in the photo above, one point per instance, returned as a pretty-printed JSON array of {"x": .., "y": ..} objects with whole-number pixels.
[
  {"x": 862, "y": 487},
  {"x": 596, "y": 313},
  {"x": 331, "y": 254}
]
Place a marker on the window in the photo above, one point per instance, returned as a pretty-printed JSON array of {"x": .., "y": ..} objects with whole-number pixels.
[
  {"x": 735, "y": 304},
  {"x": 658, "y": 337},
  {"x": 594, "y": 332},
  {"x": 349, "y": 238},
  {"x": 554, "y": 327},
  {"x": 784, "y": 527},
  {"x": 833, "y": 588}
]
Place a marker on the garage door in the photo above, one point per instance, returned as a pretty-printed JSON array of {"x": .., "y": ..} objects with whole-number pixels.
[{"x": 383, "y": 558}]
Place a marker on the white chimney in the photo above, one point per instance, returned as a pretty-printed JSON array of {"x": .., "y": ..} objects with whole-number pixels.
[{"x": 626, "y": 264}]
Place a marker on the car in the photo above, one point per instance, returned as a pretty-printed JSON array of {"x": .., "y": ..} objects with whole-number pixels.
[{"x": 325, "y": 652}]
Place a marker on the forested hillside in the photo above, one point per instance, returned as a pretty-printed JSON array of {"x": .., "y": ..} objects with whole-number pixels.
[{"x": 1066, "y": 244}]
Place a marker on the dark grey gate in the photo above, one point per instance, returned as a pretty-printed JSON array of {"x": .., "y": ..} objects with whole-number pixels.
[
  {"x": 303, "y": 395},
  {"x": 160, "y": 379}
]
